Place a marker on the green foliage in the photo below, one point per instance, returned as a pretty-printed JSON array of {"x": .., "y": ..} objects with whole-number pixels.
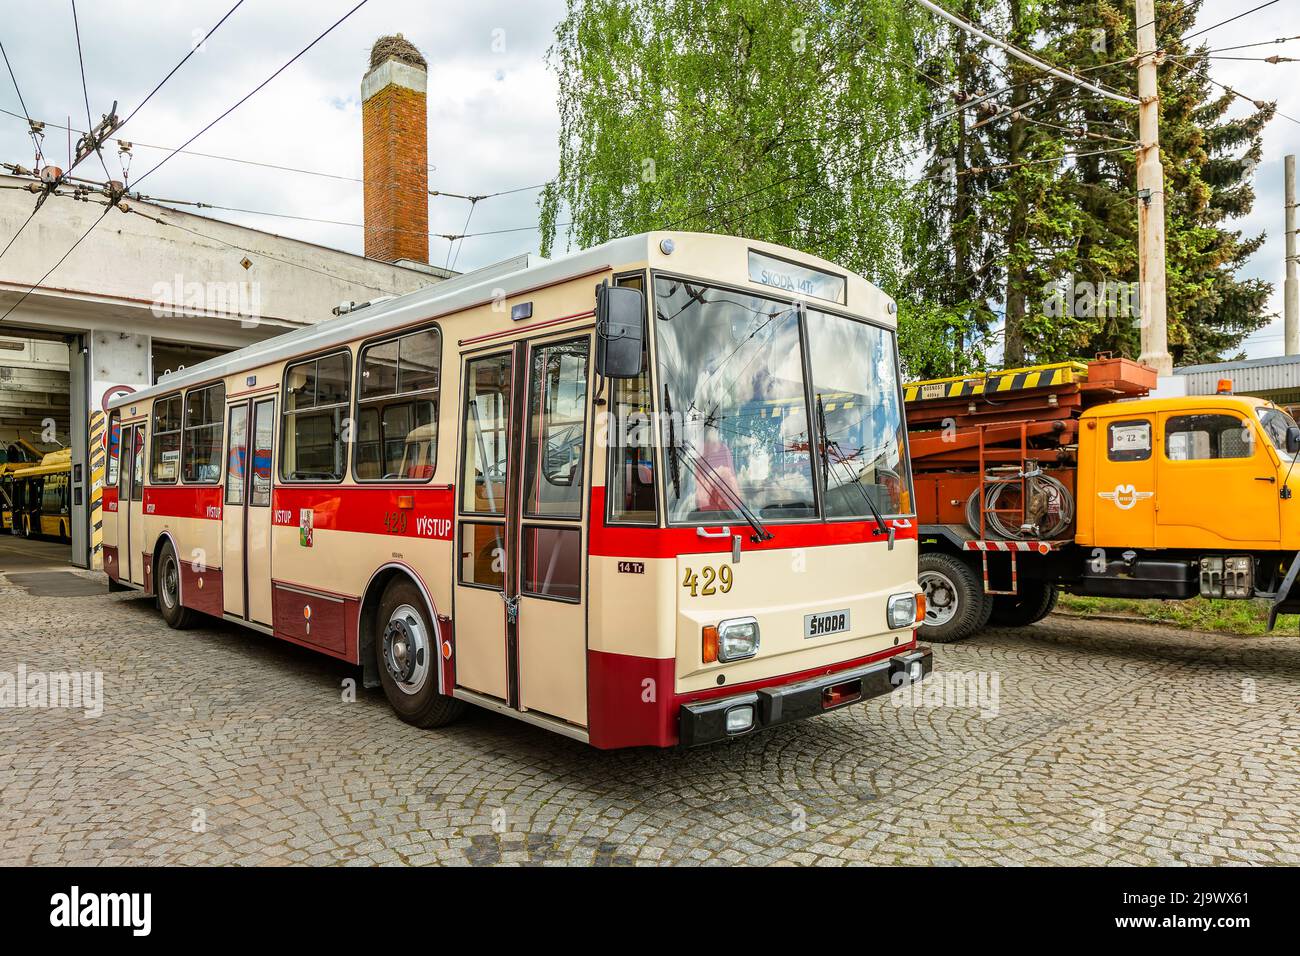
[
  {"x": 964, "y": 182},
  {"x": 777, "y": 120}
]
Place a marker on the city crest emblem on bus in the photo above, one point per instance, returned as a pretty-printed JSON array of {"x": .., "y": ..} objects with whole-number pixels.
[
  {"x": 1125, "y": 496},
  {"x": 304, "y": 527}
]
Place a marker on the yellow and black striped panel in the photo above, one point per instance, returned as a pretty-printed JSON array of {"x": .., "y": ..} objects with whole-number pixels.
[
  {"x": 97, "y": 461},
  {"x": 1014, "y": 379}
]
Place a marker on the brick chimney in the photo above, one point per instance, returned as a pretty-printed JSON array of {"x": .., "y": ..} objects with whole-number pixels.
[{"x": 395, "y": 151}]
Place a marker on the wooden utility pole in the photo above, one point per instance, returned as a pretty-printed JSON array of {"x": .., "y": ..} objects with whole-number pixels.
[
  {"x": 1291, "y": 291},
  {"x": 1151, "y": 199}
]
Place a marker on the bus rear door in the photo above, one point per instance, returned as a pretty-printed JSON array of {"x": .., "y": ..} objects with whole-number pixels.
[{"x": 246, "y": 512}]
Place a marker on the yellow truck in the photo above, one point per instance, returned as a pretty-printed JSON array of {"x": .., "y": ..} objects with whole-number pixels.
[{"x": 1060, "y": 478}]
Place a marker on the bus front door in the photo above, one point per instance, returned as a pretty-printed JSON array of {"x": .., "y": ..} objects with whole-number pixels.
[
  {"x": 246, "y": 511},
  {"x": 520, "y": 601}
]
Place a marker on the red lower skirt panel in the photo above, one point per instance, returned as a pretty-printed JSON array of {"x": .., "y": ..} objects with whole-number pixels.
[
  {"x": 110, "y": 561},
  {"x": 202, "y": 590},
  {"x": 630, "y": 700},
  {"x": 322, "y": 621},
  {"x": 147, "y": 564}
]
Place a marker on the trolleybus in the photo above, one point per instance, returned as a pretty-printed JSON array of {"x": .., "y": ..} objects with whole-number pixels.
[
  {"x": 652, "y": 493},
  {"x": 41, "y": 506}
]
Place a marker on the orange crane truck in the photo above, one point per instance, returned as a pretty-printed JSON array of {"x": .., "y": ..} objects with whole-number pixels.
[{"x": 1067, "y": 477}]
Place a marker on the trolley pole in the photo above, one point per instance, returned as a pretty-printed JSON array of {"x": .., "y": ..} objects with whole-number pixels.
[
  {"x": 1151, "y": 193},
  {"x": 1291, "y": 293}
]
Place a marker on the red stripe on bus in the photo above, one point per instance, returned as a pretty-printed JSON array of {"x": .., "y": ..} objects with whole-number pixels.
[
  {"x": 630, "y": 542},
  {"x": 183, "y": 501},
  {"x": 368, "y": 509}
]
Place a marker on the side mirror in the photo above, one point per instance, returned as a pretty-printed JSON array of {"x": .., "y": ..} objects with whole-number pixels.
[
  {"x": 620, "y": 325},
  {"x": 1293, "y": 439}
]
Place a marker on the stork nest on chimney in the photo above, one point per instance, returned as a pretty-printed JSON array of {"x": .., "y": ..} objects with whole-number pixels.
[{"x": 396, "y": 47}]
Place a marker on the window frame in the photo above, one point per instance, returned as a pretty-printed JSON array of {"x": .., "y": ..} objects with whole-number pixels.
[
  {"x": 221, "y": 435},
  {"x": 153, "y": 431},
  {"x": 376, "y": 401},
  {"x": 285, "y": 412},
  {"x": 588, "y": 429},
  {"x": 655, "y": 465},
  {"x": 112, "y": 458},
  {"x": 1130, "y": 457},
  {"x": 1244, "y": 421}
]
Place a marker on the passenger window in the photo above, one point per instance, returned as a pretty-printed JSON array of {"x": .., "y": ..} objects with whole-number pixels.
[
  {"x": 137, "y": 464},
  {"x": 204, "y": 408},
  {"x": 483, "y": 555},
  {"x": 315, "y": 403},
  {"x": 113, "y": 450},
  {"x": 237, "y": 460},
  {"x": 487, "y": 436},
  {"x": 165, "y": 456},
  {"x": 1207, "y": 436},
  {"x": 553, "y": 562},
  {"x": 1128, "y": 441},
  {"x": 397, "y": 408},
  {"x": 557, "y": 415},
  {"x": 631, "y": 479}
]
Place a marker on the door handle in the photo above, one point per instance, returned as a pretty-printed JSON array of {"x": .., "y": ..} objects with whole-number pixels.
[
  {"x": 1269, "y": 478},
  {"x": 723, "y": 532}
]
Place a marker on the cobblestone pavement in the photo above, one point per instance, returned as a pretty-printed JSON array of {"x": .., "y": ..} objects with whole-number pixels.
[{"x": 1111, "y": 743}]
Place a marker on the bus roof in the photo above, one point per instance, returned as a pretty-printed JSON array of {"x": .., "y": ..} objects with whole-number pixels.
[
  {"x": 509, "y": 278},
  {"x": 51, "y": 464}
]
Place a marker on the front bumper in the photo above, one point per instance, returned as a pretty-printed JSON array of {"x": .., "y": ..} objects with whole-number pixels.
[{"x": 705, "y": 722}]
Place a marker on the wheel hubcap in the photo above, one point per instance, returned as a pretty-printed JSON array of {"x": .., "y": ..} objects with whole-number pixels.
[
  {"x": 407, "y": 653},
  {"x": 940, "y": 598},
  {"x": 170, "y": 582}
]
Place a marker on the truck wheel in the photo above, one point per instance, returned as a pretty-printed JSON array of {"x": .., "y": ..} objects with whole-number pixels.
[
  {"x": 955, "y": 603},
  {"x": 408, "y": 655},
  {"x": 167, "y": 584},
  {"x": 1034, "y": 602}
]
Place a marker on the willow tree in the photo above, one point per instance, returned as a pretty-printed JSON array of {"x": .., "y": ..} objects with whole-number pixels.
[{"x": 784, "y": 120}]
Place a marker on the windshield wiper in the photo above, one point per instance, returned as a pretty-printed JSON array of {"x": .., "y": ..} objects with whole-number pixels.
[
  {"x": 719, "y": 484},
  {"x": 826, "y": 445},
  {"x": 713, "y": 481}
]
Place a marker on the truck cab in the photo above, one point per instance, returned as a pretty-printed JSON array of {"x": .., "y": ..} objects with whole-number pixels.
[{"x": 1201, "y": 473}]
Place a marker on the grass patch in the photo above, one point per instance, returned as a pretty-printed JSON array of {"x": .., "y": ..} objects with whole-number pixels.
[{"x": 1198, "y": 614}]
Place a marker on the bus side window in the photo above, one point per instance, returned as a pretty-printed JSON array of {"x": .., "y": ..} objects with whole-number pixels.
[
  {"x": 204, "y": 409},
  {"x": 113, "y": 442},
  {"x": 398, "y": 386},
  {"x": 316, "y": 400},
  {"x": 166, "y": 447},
  {"x": 631, "y": 480}
]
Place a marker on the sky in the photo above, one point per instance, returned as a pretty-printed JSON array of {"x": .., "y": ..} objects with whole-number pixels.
[{"x": 493, "y": 119}]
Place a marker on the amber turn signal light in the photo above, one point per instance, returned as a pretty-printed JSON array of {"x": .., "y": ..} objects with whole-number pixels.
[
  {"x": 920, "y": 607},
  {"x": 709, "y": 644}
]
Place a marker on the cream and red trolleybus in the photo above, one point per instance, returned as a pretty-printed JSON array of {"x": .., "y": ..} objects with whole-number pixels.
[{"x": 653, "y": 493}]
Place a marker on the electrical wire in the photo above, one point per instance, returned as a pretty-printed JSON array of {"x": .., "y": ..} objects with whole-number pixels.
[
  {"x": 85, "y": 92},
  {"x": 252, "y": 93},
  {"x": 31, "y": 127},
  {"x": 1229, "y": 20}
]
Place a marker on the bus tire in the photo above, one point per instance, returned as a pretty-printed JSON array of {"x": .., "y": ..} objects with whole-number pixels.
[
  {"x": 167, "y": 587},
  {"x": 408, "y": 657},
  {"x": 1034, "y": 602},
  {"x": 955, "y": 603}
]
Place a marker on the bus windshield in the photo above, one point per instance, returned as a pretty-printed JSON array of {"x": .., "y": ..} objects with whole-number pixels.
[{"x": 737, "y": 429}]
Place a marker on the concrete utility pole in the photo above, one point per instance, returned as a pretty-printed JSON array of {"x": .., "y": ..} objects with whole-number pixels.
[
  {"x": 1291, "y": 292},
  {"x": 1151, "y": 193}
]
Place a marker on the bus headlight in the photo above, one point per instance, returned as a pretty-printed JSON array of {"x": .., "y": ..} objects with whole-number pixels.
[
  {"x": 737, "y": 639},
  {"x": 901, "y": 610}
]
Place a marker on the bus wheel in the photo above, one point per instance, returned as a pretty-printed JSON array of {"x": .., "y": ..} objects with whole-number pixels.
[
  {"x": 955, "y": 603},
  {"x": 409, "y": 658},
  {"x": 27, "y": 526},
  {"x": 167, "y": 583},
  {"x": 1034, "y": 602}
]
